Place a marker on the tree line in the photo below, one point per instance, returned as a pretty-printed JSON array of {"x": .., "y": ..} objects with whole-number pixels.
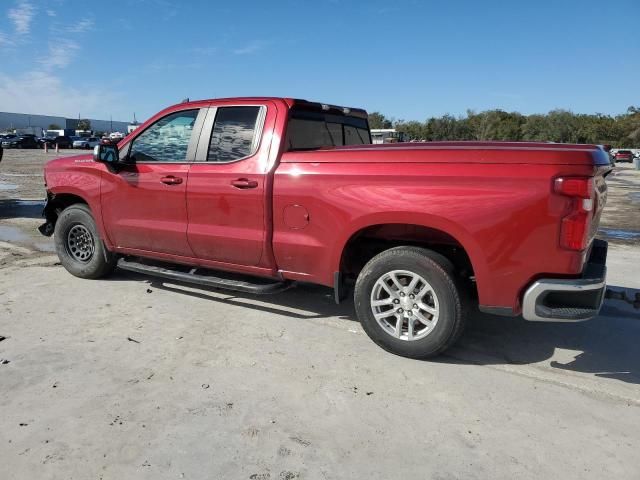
[{"x": 556, "y": 126}]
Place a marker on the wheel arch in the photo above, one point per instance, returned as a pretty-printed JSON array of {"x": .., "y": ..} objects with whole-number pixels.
[
  {"x": 370, "y": 236},
  {"x": 59, "y": 201}
]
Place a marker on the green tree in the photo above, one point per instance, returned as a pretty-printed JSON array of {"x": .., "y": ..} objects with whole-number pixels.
[
  {"x": 84, "y": 124},
  {"x": 378, "y": 120},
  {"x": 495, "y": 125},
  {"x": 54, "y": 126},
  {"x": 597, "y": 129},
  {"x": 413, "y": 129},
  {"x": 630, "y": 127},
  {"x": 447, "y": 127},
  {"x": 555, "y": 126}
]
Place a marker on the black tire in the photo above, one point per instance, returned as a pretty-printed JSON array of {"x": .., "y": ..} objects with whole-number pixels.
[
  {"x": 78, "y": 218},
  {"x": 439, "y": 273}
]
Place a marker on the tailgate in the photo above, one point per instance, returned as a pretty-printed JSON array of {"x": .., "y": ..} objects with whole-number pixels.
[
  {"x": 600, "y": 199},
  {"x": 602, "y": 168}
]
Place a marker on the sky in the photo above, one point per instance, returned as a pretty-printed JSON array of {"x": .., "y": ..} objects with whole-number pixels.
[{"x": 408, "y": 59}]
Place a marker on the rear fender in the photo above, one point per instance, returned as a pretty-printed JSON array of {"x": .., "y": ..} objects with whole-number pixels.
[{"x": 463, "y": 237}]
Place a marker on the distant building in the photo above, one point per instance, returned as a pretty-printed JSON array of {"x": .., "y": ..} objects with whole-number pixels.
[
  {"x": 36, "y": 124},
  {"x": 386, "y": 135},
  {"x": 132, "y": 126}
]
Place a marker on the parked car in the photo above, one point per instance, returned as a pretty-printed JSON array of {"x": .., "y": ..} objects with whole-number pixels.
[
  {"x": 61, "y": 141},
  {"x": 86, "y": 142},
  {"x": 624, "y": 156},
  {"x": 21, "y": 141},
  {"x": 42, "y": 140},
  {"x": 292, "y": 191}
]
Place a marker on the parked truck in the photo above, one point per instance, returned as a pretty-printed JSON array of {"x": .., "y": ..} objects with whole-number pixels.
[{"x": 276, "y": 191}]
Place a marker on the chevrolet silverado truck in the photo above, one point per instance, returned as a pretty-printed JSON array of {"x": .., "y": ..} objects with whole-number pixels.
[{"x": 258, "y": 194}]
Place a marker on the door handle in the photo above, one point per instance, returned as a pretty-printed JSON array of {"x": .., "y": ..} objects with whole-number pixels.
[
  {"x": 171, "y": 180},
  {"x": 244, "y": 183}
]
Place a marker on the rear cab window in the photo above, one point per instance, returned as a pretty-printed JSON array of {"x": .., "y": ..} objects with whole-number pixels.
[
  {"x": 313, "y": 126},
  {"x": 235, "y": 134}
]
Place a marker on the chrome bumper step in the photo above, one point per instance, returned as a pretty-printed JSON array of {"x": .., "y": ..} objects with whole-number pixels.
[{"x": 569, "y": 300}]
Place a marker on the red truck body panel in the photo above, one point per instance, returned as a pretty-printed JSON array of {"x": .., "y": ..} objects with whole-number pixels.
[
  {"x": 495, "y": 200},
  {"x": 506, "y": 219},
  {"x": 228, "y": 224}
]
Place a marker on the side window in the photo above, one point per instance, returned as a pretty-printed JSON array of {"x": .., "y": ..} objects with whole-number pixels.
[
  {"x": 166, "y": 140},
  {"x": 234, "y": 134}
]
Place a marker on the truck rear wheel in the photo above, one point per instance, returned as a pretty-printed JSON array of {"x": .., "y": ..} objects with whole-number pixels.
[
  {"x": 79, "y": 247},
  {"x": 408, "y": 302}
]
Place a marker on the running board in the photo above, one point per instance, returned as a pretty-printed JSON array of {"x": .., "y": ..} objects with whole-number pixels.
[{"x": 206, "y": 280}]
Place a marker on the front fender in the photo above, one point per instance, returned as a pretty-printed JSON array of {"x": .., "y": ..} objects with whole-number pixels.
[{"x": 78, "y": 183}]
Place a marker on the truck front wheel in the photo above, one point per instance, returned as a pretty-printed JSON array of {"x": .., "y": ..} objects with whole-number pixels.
[
  {"x": 407, "y": 301},
  {"x": 79, "y": 247}
]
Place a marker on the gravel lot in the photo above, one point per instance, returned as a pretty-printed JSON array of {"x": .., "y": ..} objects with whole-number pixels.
[{"x": 134, "y": 378}]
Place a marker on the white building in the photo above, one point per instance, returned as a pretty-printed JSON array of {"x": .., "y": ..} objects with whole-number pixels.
[
  {"x": 386, "y": 135},
  {"x": 36, "y": 124}
]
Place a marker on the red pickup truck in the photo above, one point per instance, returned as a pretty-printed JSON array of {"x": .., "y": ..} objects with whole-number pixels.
[{"x": 275, "y": 191}]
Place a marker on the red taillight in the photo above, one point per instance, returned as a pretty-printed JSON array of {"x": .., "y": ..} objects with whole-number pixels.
[
  {"x": 574, "y": 228},
  {"x": 574, "y": 187}
]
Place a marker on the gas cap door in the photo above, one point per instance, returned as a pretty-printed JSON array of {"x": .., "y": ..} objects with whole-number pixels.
[{"x": 296, "y": 216}]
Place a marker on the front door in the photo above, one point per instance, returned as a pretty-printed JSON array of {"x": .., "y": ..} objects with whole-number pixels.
[
  {"x": 226, "y": 191},
  {"x": 144, "y": 202}
]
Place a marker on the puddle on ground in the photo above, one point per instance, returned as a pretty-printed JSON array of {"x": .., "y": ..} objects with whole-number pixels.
[
  {"x": 21, "y": 208},
  {"x": 12, "y": 234},
  {"x": 619, "y": 234},
  {"x": 45, "y": 246},
  {"x": 5, "y": 174},
  {"x": 17, "y": 236},
  {"x": 7, "y": 186},
  {"x": 29, "y": 203}
]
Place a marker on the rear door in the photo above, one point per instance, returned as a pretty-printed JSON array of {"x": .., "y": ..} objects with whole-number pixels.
[
  {"x": 144, "y": 203},
  {"x": 226, "y": 193}
]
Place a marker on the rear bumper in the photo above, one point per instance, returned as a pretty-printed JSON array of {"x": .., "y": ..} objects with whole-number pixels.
[{"x": 569, "y": 300}]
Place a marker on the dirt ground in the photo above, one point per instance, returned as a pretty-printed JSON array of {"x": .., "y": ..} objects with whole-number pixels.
[
  {"x": 131, "y": 377},
  {"x": 621, "y": 219}
]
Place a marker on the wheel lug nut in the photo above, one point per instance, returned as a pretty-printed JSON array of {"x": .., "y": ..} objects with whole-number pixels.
[
  {"x": 410, "y": 313},
  {"x": 415, "y": 306},
  {"x": 396, "y": 301},
  {"x": 411, "y": 297},
  {"x": 402, "y": 294},
  {"x": 400, "y": 310}
]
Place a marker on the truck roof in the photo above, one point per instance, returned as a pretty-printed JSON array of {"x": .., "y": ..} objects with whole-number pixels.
[{"x": 290, "y": 102}]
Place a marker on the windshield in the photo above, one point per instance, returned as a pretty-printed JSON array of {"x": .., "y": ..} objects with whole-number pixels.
[{"x": 311, "y": 129}]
